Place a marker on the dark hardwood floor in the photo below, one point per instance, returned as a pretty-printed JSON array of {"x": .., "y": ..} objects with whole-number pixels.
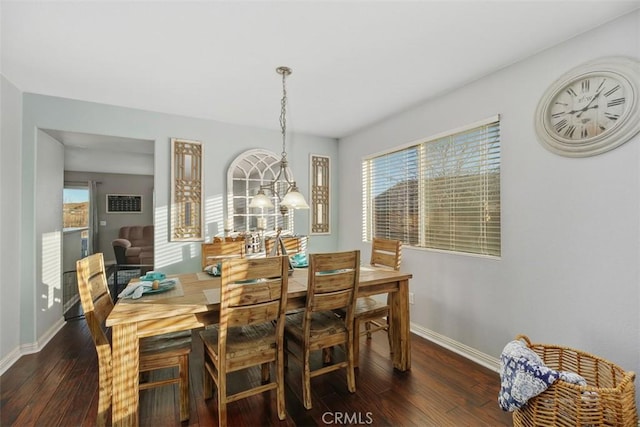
[{"x": 58, "y": 387}]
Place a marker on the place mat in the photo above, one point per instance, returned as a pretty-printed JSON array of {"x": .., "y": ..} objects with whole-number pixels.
[
  {"x": 202, "y": 275},
  {"x": 177, "y": 291},
  {"x": 213, "y": 295}
]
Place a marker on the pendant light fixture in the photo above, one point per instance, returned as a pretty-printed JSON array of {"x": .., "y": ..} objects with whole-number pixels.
[{"x": 283, "y": 181}]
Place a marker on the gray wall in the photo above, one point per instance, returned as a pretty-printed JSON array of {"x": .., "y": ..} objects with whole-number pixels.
[
  {"x": 10, "y": 213},
  {"x": 47, "y": 296},
  {"x": 570, "y": 269}
]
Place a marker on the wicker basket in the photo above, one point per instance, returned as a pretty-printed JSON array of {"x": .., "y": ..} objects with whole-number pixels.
[{"x": 607, "y": 400}]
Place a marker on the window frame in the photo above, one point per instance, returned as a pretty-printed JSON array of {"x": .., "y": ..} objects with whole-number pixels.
[{"x": 412, "y": 172}]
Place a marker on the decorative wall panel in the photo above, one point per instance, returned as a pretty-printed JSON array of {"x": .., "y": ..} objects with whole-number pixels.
[
  {"x": 320, "y": 194},
  {"x": 186, "y": 191}
]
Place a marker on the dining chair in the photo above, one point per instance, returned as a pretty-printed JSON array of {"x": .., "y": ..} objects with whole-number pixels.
[
  {"x": 253, "y": 299},
  {"x": 157, "y": 352},
  {"x": 332, "y": 284},
  {"x": 373, "y": 313},
  {"x": 214, "y": 252},
  {"x": 292, "y": 245}
]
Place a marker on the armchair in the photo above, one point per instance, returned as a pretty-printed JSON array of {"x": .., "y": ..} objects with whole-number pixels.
[{"x": 134, "y": 245}]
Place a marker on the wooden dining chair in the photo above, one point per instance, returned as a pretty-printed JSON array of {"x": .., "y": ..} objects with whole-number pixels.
[
  {"x": 292, "y": 245},
  {"x": 253, "y": 299},
  {"x": 373, "y": 313},
  {"x": 158, "y": 352},
  {"x": 214, "y": 252},
  {"x": 333, "y": 280}
]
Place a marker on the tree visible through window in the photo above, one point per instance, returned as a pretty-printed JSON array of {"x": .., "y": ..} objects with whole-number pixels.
[{"x": 442, "y": 193}]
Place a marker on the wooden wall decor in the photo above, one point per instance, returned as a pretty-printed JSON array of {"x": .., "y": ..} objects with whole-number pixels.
[
  {"x": 320, "y": 213},
  {"x": 187, "y": 222}
]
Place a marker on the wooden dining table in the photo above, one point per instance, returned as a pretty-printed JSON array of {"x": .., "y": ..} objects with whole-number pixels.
[{"x": 195, "y": 302}]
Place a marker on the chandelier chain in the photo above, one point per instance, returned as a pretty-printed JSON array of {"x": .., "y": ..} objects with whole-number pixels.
[
  {"x": 282, "y": 186},
  {"x": 283, "y": 115}
]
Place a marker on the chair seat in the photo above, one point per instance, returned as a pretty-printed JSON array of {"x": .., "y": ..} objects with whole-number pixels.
[
  {"x": 323, "y": 323},
  {"x": 367, "y": 307},
  {"x": 179, "y": 342},
  {"x": 243, "y": 340},
  {"x": 370, "y": 307}
]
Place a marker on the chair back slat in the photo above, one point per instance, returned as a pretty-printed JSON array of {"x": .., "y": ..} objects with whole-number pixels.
[
  {"x": 253, "y": 290},
  {"x": 212, "y": 253},
  {"x": 239, "y": 294},
  {"x": 386, "y": 252},
  {"x": 102, "y": 307},
  {"x": 253, "y": 314},
  {"x": 292, "y": 245},
  {"x": 333, "y": 280},
  {"x": 331, "y": 301}
]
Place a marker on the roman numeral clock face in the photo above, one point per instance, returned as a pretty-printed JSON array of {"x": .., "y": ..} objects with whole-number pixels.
[
  {"x": 592, "y": 109},
  {"x": 587, "y": 108}
]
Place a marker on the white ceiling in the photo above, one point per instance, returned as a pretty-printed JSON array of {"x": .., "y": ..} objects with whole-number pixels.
[
  {"x": 354, "y": 62},
  {"x": 100, "y": 142}
]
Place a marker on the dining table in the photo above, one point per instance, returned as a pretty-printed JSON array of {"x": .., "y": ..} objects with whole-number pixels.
[{"x": 194, "y": 302}]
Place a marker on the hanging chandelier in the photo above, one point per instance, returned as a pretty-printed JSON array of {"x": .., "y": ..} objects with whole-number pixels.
[{"x": 291, "y": 198}]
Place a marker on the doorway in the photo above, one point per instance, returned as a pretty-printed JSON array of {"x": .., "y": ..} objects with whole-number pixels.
[{"x": 76, "y": 206}]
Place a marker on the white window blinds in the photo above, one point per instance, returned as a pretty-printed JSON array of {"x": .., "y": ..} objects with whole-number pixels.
[{"x": 443, "y": 193}]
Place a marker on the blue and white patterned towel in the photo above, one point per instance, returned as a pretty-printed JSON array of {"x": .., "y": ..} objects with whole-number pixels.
[{"x": 523, "y": 376}]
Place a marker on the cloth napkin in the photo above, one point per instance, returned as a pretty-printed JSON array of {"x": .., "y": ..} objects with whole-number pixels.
[
  {"x": 299, "y": 260},
  {"x": 214, "y": 270},
  {"x": 136, "y": 290}
]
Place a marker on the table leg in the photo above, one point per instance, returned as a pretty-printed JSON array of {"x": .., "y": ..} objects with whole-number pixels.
[
  {"x": 125, "y": 368},
  {"x": 400, "y": 327},
  {"x": 115, "y": 283}
]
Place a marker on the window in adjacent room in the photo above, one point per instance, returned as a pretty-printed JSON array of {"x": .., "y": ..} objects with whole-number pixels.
[
  {"x": 75, "y": 206},
  {"x": 441, "y": 193},
  {"x": 75, "y": 213}
]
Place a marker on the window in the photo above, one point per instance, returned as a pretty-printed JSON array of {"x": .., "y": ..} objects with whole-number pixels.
[
  {"x": 442, "y": 193},
  {"x": 245, "y": 175},
  {"x": 75, "y": 213}
]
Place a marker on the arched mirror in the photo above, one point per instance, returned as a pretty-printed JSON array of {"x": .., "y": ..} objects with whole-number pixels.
[{"x": 245, "y": 175}]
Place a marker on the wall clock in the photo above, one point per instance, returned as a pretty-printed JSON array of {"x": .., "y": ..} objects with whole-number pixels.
[{"x": 591, "y": 108}]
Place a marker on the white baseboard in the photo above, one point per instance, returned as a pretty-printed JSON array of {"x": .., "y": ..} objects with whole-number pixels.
[
  {"x": 70, "y": 303},
  {"x": 9, "y": 360},
  {"x": 30, "y": 348},
  {"x": 463, "y": 350}
]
